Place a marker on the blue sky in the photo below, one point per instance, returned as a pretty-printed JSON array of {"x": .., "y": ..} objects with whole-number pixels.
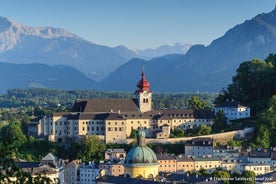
[{"x": 137, "y": 23}]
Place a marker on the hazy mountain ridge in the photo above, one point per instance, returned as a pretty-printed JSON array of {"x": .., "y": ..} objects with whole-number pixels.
[
  {"x": 150, "y": 53},
  {"x": 202, "y": 68},
  {"x": 47, "y": 45},
  {"x": 42, "y": 76},
  {"x": 208, "y": 68}
]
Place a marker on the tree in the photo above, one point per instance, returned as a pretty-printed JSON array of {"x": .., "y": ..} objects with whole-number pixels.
[
  {"x": 266, "y": 126},
  {"x": 133, "y": 134},
  {"x": 220, "y": 124},
  {"x": 223, "y": 175},
  {"x": 177, "y": 133},
  {"x": 14, "y": 135},
  {"x": 196, "y": 104},
  {"x": 9, "y": 169},
  {"x": 203, "y": 130},
  {"x": 250, "y": 175},
  {"x": 91, "y": 148}
]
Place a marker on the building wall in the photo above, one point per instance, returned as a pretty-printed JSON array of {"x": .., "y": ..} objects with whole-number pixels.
[
  {"x": 258, "y": 169},
  {"x": 116, "y": 169},
  {"x": 148, "y": 171},
  {"x": 136, "y": 123},
  {"x": 167, "y": 166},
  {"x": 233, "y": 167},
  {"x": 209, "y": 164},
  {"x": 234, "y": 113},
  {"x": 183, "y": 165},
  {"x": 71, "y": 174},
  {"x": 145, "y": 99},
  {"x": 115, "y": 154},
  {"x": 199, "y": 151},
  {"x": 115, "y": 131},
  {"x": 88, "y": 174}
]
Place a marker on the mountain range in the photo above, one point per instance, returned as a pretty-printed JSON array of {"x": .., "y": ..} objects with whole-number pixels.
[
  {"x": 52, "y": 46},
  {"x": 203, "y": 68},
  {"x": 185, "y": 68},
  {"x": 42, "y": 76}
]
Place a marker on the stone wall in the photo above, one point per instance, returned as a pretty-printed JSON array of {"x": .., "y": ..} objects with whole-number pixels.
[{"x": 218, "y": 138}]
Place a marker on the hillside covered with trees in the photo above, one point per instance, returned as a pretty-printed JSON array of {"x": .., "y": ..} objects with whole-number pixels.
[{"x": 254, "y": 85}]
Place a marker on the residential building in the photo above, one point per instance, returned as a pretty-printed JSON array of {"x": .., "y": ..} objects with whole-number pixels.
[
  {"x": 49, "y": 167},
  {"x": 234, "y": 164},
  {"x": 233, "y": 110},
  {"x": 225, "y": 152},
  {"x": 184, "y": 164},
  {"x": 72, "y": 172},
  {"x": 167, "y": 163},
  {"x": 88, "y": 173},
  {"x": 260, "y": 156},
  {"x": 208, "y": 163},
  {"x": 115, "y": 154},
  {"x": 199, "y": 147},
  {"x": 113, "y": 168},
  {"x": 258, "y": 169}
]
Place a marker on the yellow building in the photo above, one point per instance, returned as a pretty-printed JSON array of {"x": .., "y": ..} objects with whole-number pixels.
[
  {"x": 114, "y": 119},
  {"x": 167, "y": 163},
  {"x": 185, "y": 164},
  {"x": 208, "y": 163},
  {"x": 141, "y": 161}
]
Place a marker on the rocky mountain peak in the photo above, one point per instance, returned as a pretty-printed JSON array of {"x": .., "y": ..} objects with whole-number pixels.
[{"x": 12, "y": 33}]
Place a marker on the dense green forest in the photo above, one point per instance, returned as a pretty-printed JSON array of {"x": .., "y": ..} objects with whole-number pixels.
[
  {"x": 254, "y": 85},
  {"x": 61, "y": 100}
]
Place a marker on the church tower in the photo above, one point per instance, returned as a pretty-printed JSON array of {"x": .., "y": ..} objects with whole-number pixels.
[{"x": 144, "y": 94}]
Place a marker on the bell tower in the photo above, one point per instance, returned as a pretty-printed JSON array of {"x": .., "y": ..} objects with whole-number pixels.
[{"x": 144, "y": 94}]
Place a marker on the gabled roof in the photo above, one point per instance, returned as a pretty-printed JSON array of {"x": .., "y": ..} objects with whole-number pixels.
[
  {"x": 184, "y": 159},
  {"x": 231, "y": 104},
  {"x": 105, "y": 105},
  {"x": 201, "y": 141},
  {"x": 49, "y": 156},
  {"x": 166, "y": 157},
  {"x": 260, "y": 153},
  {"x": 27, "y": 164}
]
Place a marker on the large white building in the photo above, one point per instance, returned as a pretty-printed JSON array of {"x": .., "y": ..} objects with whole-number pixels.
[
  {"x": 233, "y": 110},
  {"x": 113, "y": 120}
]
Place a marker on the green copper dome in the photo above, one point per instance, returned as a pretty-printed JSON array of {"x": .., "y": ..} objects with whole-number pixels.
[{"x": 141, "y": 154}]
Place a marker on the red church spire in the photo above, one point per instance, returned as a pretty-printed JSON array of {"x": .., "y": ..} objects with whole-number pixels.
[{"x": 143, "y": 84}]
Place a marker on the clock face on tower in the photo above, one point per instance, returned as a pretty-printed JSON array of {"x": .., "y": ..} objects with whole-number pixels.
[{"x": 145, "y": 93}]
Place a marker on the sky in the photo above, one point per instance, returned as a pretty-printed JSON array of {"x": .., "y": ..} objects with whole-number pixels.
[{"x": 137, "y": 24}]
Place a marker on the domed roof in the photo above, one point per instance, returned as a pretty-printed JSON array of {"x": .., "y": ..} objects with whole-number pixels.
[{"x": 141, "y": 154}]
